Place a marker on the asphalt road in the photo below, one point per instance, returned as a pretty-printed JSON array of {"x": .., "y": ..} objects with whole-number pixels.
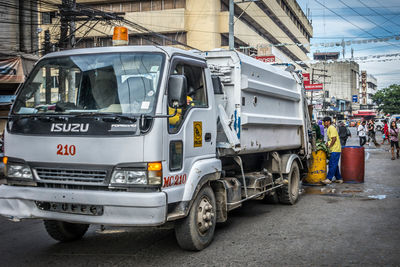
[{"x": 347, "y": 224}]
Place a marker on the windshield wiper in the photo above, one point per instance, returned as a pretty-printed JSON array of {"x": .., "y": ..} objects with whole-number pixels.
[
  {"x": 36, "y": 116},
  {"x": 117, "y": 117},
  {"x": 103, "y": 116}
]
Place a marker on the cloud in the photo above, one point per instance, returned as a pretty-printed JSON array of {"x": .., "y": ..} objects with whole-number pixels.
[
  {"x": 338, "y": 28},
  {"x": 387, "y": 73}
]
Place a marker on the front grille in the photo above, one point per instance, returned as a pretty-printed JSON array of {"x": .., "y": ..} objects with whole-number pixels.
[{"x": 73, "y": 176}]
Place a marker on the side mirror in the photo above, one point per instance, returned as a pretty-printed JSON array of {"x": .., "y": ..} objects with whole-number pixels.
[{"x": 177, "y": 88}]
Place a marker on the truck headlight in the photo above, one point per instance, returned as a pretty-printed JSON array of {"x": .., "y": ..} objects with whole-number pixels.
[
  {"x": 19, "y": 171},
  {"x": 151, "y": 176},
  {"x": 128, "y": 177}
]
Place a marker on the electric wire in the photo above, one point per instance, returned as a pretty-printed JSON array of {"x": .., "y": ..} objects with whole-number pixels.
[
  {"x": 365, "y": 17},
  {"x": 379, "y": 14},
  {"x": 355, "y": 25}
]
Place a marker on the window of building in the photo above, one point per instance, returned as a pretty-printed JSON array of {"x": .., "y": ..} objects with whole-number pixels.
[
  {"x": 46, "y": 19},
  {"x": 126, "y": 7},
  {"x": 141, "y": 5}
]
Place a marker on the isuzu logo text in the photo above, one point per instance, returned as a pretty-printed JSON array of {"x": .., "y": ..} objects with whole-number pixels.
[{"x": 69, "y": 127}]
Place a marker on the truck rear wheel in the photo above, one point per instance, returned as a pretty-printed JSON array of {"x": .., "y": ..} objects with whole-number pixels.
[
  {"x": 196, "y": 231},
  {"x": 289, "y": 194},
  {"x": 64, "y": 231}
]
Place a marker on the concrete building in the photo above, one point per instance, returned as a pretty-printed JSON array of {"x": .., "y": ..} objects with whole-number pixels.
[
  {"x": 204, "y": 25},
  {"x": 341, "y": 81},
  {"x": 326, "y": 56},
  {"x": 18, "y": 44},
  {"x": 366, "y": 102},
  {"x": 18, "y": 48}
]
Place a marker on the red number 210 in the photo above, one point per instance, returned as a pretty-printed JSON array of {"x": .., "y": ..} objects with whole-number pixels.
[{"x": 66, "y": 150}]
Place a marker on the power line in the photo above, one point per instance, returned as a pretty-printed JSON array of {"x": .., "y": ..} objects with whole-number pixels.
[
  {"x": 365, "y": 17},
  {"x": 349, "y": 21},
  {"x": 379, "y": 14}
]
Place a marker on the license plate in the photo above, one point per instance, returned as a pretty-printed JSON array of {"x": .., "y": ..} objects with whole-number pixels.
[{"x": 94, "y": 210}]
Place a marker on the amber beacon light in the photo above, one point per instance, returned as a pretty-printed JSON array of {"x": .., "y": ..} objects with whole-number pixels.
[{"x": 120, "y": 36}]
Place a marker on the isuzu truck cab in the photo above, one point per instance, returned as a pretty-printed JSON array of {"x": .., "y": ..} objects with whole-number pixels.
[{"x": 145, "y": 135}]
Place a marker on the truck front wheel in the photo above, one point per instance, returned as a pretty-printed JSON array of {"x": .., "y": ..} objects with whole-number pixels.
[
  {"x": 289, "y": 193},
  {"x": 64, "y": 231},
  {"x": 196, "y": 231}
]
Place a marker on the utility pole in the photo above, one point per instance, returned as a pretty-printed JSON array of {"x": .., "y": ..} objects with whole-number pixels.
[
  {"x": 323, "y": 89},
  {"x": 312, "y": 82},
  {"x": 231, "y": 25},
  {"x": 344, "y": 48},
  {"x": 324, "y": 71},
  {"x": 232, "y": 22},
  {"x": 47, "y": 49},
  {"x": 72, "y": 26},
  {"x": 63, "y": 42}
]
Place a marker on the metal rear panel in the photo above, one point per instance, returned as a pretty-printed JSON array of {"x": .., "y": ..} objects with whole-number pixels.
[{"x": 264, "y": 102}]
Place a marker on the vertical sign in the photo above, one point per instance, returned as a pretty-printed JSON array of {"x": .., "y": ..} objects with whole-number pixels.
[
  {"x": 306, "y": 78},
  {"x": 363, "y": 87}
]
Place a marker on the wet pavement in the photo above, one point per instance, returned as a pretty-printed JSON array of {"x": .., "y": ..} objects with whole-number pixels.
[
  {"x": 334, "y": 225},
  {"x": 374, "y": 187}
]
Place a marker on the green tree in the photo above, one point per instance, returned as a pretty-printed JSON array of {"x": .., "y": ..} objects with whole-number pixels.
[{"x": 388, "y": 99}]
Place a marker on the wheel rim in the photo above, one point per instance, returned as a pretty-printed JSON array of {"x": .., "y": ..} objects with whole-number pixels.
[{"x": 205, "y": 215}]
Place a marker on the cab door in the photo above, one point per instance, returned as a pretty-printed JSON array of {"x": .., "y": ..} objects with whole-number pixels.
[{"x": 192, "y": 132}]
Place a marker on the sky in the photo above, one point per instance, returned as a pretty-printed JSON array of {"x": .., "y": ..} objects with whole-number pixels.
[{"x": 358, "y": 20}]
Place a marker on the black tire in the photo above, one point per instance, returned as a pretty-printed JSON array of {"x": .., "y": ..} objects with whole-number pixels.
[
  {"x": 64, "y": 231},
  {"x": 289, "y": 194},
  {"x": 192, "y": 234},
  {"x": 271, "y": 198}
]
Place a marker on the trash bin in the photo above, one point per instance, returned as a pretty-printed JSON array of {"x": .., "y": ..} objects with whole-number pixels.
[
  {"x": 317, "y": 170},
  {"x": 352, "y": 164}
]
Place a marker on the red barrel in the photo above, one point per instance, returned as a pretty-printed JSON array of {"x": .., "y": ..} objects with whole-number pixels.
[{"x": 352, "y": 164}]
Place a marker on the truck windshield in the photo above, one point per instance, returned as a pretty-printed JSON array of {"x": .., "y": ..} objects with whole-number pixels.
[{"x": 122, "y": 83}]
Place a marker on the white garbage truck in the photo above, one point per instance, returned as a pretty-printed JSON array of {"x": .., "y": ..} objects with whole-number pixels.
[{"x": 146, "y": 135}]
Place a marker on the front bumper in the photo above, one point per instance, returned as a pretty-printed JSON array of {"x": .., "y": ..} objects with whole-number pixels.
[{"x": 120, "y": 208}]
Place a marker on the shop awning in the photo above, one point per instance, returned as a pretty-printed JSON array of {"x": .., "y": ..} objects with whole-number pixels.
[{"x": 364, "y": 113}]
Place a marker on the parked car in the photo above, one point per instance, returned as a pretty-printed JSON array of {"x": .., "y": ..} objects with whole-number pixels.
[{"x": 379, "y": 124}]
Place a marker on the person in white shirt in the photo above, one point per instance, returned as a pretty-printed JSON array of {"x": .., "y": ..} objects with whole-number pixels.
[{"x": 362, "y": 133}]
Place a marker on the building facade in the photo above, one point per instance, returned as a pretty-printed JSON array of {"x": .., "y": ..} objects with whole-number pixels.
[
  {"x": 203, "y": 25},
  {"x": 341, "y": 81},
  {"x": 371, "y": 85},
  {"x": 18, "y": 42}
]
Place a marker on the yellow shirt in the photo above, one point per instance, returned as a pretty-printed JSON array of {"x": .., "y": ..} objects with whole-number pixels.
[{"x": 333, "y": 133}]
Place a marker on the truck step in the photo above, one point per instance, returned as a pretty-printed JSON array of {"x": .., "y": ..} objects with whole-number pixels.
[{"x": 256, "y": 182}]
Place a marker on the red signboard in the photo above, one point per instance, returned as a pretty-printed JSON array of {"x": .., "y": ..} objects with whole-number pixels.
[
  {"x": 306, "y": 78},
  {"x": 314, "y": 87},
  {"x": 266, "y": 59}
]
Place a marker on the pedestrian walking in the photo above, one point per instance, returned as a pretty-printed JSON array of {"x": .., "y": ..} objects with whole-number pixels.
[
  {"x": 371, "y": 133},
  {"x": 334, "y": 147},
  {"x": 362, "y": 133},
  {"x": 321, "y": 128},
  {"x": 344, "y": 133},
  {"x": 385, "y": 132},
  {"x": 394, "y": 138}
]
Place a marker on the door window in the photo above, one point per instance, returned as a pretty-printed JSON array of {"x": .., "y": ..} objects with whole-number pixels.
[
  {"x": 196, "y": 93},
  {"x": 175, "y": 155}
]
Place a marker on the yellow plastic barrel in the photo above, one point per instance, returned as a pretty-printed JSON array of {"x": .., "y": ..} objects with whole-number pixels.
[{"x": 317, "y": 170}]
